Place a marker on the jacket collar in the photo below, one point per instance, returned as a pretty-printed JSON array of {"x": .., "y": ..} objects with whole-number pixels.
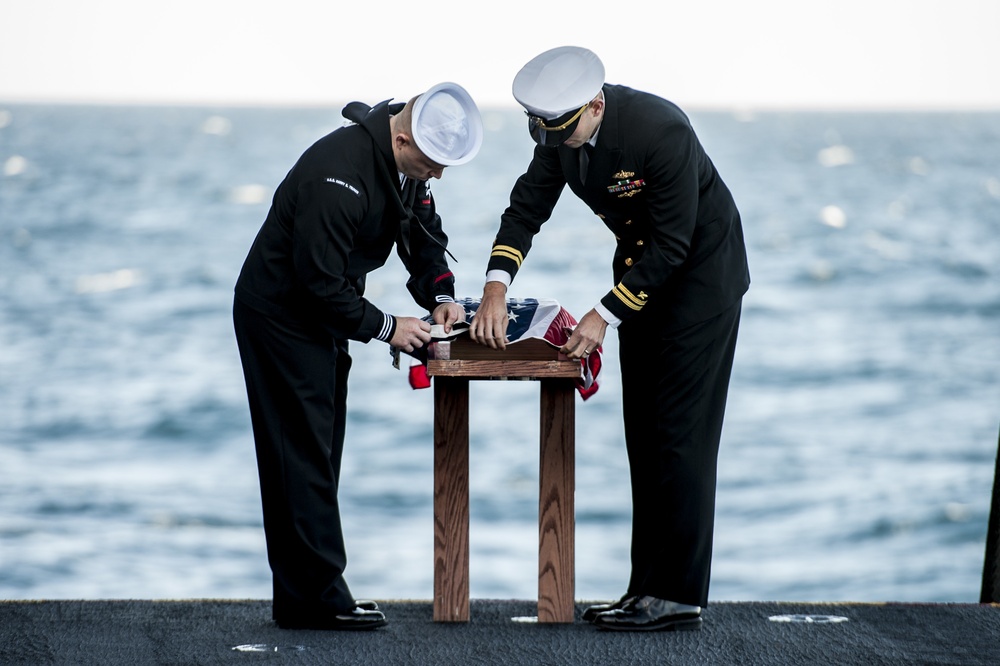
[
  {"x": 607, "y": 134},
  {"x": 375, "y": 121}
]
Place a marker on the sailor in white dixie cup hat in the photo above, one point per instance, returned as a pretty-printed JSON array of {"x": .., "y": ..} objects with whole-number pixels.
[
  {"x": 555, "y": 88},
  {"x": 351, "y": 198},
  {"x": 447, "y": 125}
]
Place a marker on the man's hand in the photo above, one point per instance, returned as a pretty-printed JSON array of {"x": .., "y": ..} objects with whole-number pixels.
[
  {"x": 587, "y": 336},
  {"x": 411, "y": 333},
  {"x": 489, "y": 324},
  {"x": 448, "y": 314}
]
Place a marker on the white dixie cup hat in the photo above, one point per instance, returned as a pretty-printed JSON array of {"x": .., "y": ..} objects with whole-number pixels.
[{"x": 446, "y": 124}]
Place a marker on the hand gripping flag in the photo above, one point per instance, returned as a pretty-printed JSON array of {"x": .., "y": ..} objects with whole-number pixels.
[{"x": 528, "y": 318}]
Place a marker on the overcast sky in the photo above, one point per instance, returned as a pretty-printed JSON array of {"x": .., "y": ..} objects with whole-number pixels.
[{"x": 728, "y": 53}]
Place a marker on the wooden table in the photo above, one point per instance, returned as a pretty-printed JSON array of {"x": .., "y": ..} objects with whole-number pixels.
[{"x": 453, "y": 364}]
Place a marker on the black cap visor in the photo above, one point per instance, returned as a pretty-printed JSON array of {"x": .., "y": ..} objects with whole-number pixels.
[{"x": 554, "y": 132}]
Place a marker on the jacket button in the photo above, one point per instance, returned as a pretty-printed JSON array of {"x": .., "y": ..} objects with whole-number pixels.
[
  {"x": 628, "y": 262},
  {"x": 628, "y": 221},
  {"x": 639, "y": 242}
]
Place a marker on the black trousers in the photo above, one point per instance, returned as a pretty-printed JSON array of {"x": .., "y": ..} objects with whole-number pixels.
[
  {"x": 674, "y": 389},
  {"x": 296, "y": 378}
]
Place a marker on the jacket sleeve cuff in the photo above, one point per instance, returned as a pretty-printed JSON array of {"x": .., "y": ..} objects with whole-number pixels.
[
  {"x": 622, "y": 303},
  {"x": 506, "y": 260},
  {"x": 388, "y": 328}
]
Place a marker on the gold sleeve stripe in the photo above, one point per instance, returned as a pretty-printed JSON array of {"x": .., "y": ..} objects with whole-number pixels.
[
  {"x": 626, "y": 297},
  {"x": 508, "y": 252}
]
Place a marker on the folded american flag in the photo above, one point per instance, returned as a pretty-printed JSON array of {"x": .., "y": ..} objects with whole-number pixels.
[{"x": 529, "y": 318}]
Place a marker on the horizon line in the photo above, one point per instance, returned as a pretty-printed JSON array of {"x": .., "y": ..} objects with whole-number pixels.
[{"x": 738, "y": 107}]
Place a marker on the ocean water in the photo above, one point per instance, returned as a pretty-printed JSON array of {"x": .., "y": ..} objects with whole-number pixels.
[{"x": 859, "y": 447}]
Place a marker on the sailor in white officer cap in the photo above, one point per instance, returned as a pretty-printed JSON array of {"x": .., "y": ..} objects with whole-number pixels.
[
  {"x": 679, "y": 274},
  {"x": 555, "y": 89}
]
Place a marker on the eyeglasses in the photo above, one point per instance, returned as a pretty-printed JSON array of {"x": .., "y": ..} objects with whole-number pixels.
[{"x": 536, "y": 123}]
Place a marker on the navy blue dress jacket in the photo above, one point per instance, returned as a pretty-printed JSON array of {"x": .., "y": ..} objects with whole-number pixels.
[
  {"x": 332, "y": 221},
  {"x": 680, "y": 246}
]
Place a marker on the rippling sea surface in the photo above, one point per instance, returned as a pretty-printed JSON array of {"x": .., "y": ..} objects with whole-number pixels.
[{"x": 859, "y": 447}]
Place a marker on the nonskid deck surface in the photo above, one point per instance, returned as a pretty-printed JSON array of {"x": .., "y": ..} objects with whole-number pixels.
[{"x": 205, "y": 632}]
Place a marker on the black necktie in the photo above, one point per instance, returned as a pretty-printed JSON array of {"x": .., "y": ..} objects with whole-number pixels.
[
  {"x": 408, "y": 191},
  {"x": 585, "y": 151},
  {"x": 407, "y": 196}
]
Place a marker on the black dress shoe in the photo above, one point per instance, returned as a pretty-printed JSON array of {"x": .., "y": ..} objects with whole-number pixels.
[
  {"x": 355, "y": 619},
  {"x": 650, "y": 614},
  {"x": 591, "y": 612}
]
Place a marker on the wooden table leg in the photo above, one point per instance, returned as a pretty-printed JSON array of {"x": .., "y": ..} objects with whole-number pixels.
[
  {"x": 556, "y": 520},
  {"x": 451, "y": 499}
]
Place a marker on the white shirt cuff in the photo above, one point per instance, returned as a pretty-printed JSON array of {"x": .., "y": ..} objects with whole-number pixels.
[
  {"x": 497, "y": 275},
  {"x": 606, "y": 315}
]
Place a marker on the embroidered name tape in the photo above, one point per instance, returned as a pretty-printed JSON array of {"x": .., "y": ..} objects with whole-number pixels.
[{"x": 337, "y": 181}]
